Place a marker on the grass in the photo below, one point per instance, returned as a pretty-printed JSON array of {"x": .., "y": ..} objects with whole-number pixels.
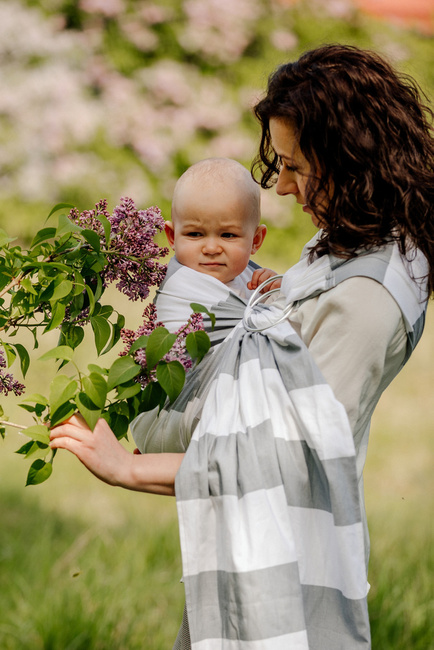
[{"x": 86, "y": 567}]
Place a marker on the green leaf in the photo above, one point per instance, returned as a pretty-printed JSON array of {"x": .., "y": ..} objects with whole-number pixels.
[
  {"x": 106, "y": 225},
  {"x": 121, "y": 371},
  {"x": 159, "y": 343},
  {"x": 38, "y": 398},
  {"x": 57, "y": 317},
  {"x": 33, "y": 447},
  {"x": 4, "y": 238},
  {"x": 62, "y": 413},
  {"x": 197, "y": 344},
  {"x": 200, "y": 309},
  {"x": 99, "y": 285},
  {"x": 63, "y": 289},
  {"x": 39, "y": 472},
  {"x": 88, "y": 410},
  {"x": 43, "y": 235},
  {"x": 95, "y": 387},
  {"x": 24, "y": 357},
  {"x": 62, "y": 389},
  {"x": 60, "y": 206},
  {"x": 125, "y": 392},
  {"x": 93, "y": 239},
  {"x": 140, "y": 343},
  {"x": 118, "y": 420},
  {"x": 152, "y": 396},
  {"x": 92, "y": 367},
  {"x": 11, "y": 355},
  {"x": 65, "y": 225},
  {"x": 61, "y": 352},
  {"x": 78, "y": 283},
  {"x": 38, "y": 409},
  {"x": 105, "y": 311},
  {"x": 28, "y": 286},
  {"x": 49, "y": 267},
  {"x": 171, "y": 377},
  {"x": 121, "y": 321},
  {"x": 91, "y": 299},
  {"x": 102, "y": 332},
  {"x": 38, "y": 432},
  {"x": 75, "y": 336}
]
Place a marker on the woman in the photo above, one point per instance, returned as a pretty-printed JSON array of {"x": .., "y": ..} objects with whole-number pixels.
[{"x": 270, "y": 498}]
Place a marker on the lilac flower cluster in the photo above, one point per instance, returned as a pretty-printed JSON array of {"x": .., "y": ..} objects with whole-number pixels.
[
  {"x": 88, "y": 218},
  {"x": 133, "y": 255},
  {"x": 178, "y": 351},
  {"x": 135, "y": 263},
  {"x": 7, "y": 383}
]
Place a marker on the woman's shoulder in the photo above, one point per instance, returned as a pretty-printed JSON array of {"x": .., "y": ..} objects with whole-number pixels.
[{"x": 359, "y": 307}]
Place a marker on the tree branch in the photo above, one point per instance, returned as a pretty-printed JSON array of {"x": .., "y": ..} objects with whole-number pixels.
[{"x": 12, "y": 424}]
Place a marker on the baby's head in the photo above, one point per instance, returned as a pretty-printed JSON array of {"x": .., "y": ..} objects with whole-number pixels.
[{"x": 215, "y": 218}]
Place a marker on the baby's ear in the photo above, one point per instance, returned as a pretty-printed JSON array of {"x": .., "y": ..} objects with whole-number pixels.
[
  {"x": 169, "y": 229},
  {"x": 258, "y": 238}
]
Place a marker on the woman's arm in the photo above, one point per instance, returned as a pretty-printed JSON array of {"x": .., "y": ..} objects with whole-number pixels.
[{"x": 108, "y": 460}]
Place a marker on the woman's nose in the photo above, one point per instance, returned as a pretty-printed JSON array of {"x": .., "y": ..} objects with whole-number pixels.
[{"x": 286, "y": 184}]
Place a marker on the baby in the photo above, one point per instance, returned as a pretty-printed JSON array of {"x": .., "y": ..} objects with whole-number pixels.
[{"x": 215, "y": 228}]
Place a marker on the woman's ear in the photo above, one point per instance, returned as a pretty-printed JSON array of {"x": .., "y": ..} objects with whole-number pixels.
[
  {"x": 258, "y": 238},
  {"x": 169, "y": 229}
]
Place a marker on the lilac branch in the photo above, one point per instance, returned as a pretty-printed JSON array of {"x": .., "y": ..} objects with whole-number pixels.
[{"x": 12, "y": 424}]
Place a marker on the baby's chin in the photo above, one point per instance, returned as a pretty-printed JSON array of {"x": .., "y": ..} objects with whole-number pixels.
[{"x": 218, "y": 271}]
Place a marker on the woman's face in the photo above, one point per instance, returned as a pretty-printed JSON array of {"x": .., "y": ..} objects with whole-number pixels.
[{"x": 294, "y": 168}]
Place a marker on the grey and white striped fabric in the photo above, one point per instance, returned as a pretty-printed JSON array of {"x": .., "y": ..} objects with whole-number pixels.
[
  {"x": 269, "y": 513},
  {"x": 182, "y": 286}
]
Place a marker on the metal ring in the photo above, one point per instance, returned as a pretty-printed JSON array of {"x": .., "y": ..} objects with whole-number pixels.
[{"x": 258, "y": 297}]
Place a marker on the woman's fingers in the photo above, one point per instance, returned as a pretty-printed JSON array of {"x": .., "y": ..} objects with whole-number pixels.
[
  {"x": 98, "y": 450},
  {"x": 74, "y": 427}
]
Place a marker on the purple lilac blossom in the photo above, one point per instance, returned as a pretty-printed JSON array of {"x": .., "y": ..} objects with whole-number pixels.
[
  {"x": 7, "y": 383},
  {"x": 133, "y": 255}
]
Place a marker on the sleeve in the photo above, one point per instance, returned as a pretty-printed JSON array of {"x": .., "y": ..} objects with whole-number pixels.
[{"x": 356, "y": 335}]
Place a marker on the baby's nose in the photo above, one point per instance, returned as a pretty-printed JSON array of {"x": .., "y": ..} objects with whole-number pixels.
[{"x": 211, "y": 245}]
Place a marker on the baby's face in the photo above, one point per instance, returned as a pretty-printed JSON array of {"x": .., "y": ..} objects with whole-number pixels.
[{"x": 212, "y": 232}]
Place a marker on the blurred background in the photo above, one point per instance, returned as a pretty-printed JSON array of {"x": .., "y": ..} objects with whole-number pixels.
[{"x": 110, "y": 98}]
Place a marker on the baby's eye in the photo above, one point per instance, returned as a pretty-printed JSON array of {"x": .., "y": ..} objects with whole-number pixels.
[
  {"x": 194, "y": 234},
  {"x": 228, "y": 235}
]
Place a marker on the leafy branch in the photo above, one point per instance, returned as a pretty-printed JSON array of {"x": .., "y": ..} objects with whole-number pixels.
[{"x": 58, "y": 284}]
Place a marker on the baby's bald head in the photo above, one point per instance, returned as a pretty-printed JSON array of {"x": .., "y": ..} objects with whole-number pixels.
[{"x": 214, "y": 178}]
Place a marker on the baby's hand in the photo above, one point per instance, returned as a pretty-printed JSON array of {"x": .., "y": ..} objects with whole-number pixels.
[{"x": 259, "y": 276}]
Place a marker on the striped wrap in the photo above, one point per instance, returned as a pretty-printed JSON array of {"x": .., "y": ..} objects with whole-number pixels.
[{"x": 267, "y": 495}]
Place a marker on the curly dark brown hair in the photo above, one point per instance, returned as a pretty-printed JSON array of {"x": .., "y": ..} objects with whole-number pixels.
[{"x": 366, "y": 131}]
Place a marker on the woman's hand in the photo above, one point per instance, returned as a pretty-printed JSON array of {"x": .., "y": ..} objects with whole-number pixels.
[
  {"x": 98, "y": 450},
  {"x": 108, "y": 460}
]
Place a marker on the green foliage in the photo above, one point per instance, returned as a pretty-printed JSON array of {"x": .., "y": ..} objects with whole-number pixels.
[{"x": 57, "y": 284}]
